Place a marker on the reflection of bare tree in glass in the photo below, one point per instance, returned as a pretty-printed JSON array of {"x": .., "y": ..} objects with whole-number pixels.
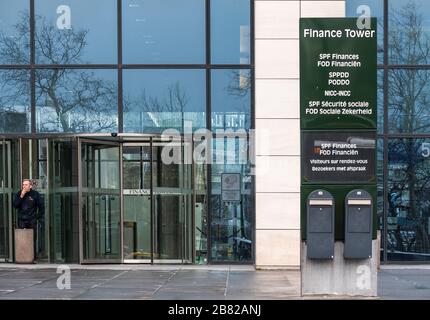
[
  {"x": 409, "y": 93},
  {"x": 240, "y": 83},
  {"x": 91, "y": 100},
  {"x": 408, "y": 89},
  {"x": 169, "y": 107},
  {"x": 74, "y": 100},
  {"x": 175, "y": 100},
  {"x": 409, "y": 185},
  {"x": 239, "y": 86},
  {"x": 13, "y": 103}
]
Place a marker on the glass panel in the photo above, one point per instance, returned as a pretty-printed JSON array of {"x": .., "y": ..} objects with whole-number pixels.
[
  {"x": 9, "y": 186},
  {"x": 64, "y": 201},
  {"x": 137, "y": 227},
  {"x": 101, "y": 202},
  {"x": 137, "y": 202},
  {"x": 231, "y": 102},
  {"x": 5, "y": 208},
  {"x": 168, "y": 230},
  {"x": 167, "y": 174},
  {"x": 380, "y": 175},
  {"x": 4, "y": 224},
  {"x": 200, "y": 209},
  {"x": 376, "y": 10},
  {"x": 14, "y": 178},
  {"x": 76, "y": 32},
  {"x": 137, "y": 175},
  {"x": 14, "y": 32},
  {"x": 230, "y": 31},
  {"x": 231, "y": 199},
  {"x": 380, "y": 190},
  {"x": 29, "y": 168},
  {"x": 380, "y": 101},
  {"x": 14, "y": 101},
  {"x": 155, "y": 100},
  {"x": 38, "y": 174},
  {"x": 71, "y": 100},
  {"x": 137, "y": 168},
  {"x": 408, "y": 27},
  {"x": 408, "y": 217},
  {"x": 408, "y": 101},
  {"x": 172, "y": 191},
  {"x": 164, "y": 32}
]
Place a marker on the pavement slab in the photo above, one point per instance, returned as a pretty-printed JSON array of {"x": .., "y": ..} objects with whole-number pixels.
[{"x": 176, "y": 282}]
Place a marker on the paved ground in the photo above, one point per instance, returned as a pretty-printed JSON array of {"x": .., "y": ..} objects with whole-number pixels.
[
  {"x": 150, "y": 282},
  {"x": 188, "y": 283},
  {"x": 404, "y": 282}
]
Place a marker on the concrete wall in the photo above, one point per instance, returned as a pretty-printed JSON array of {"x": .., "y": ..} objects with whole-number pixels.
[
  {"x": 277, "y": 113},
  {"x": 350, "y": 277}
]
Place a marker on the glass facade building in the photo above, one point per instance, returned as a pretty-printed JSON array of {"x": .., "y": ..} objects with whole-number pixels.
[{"x": 86, "y": 91}]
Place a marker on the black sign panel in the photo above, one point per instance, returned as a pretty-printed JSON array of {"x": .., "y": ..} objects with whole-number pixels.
[{"x": 338, "y": 157}]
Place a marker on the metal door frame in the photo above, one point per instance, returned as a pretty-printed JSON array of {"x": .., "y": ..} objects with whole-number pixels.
[
  {"x": 137, "y": 144},
  {"x": 182, "y": 209},
  {"x": 150, "y": 141},
  {"x": 82, "y": 141},
  {"x": 7, "y": 204},
  {"x": 145, "y": 140}
]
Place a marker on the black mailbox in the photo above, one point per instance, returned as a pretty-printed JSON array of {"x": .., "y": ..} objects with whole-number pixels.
[
  {"x": 320, "y": 225},
  {"x": 358, "y": 225}
]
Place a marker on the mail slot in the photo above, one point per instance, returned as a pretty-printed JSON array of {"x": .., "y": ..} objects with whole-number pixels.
[
  {"x": 320, "y": 225},
  {"x": 358, "y": 225}
]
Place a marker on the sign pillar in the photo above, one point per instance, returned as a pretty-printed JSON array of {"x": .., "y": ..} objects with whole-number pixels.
[{"x": 338, "y": 118}]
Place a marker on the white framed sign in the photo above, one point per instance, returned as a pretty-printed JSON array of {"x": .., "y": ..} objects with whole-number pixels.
[{"x": 230, "y": 187}]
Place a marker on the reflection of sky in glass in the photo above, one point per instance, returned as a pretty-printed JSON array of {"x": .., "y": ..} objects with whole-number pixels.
[
  {"x": 9, "y": 13},
  {"x": 408, "y": 18},
  {"x": 99, "y": 17},
  {"x": 230, "y": 90},
  {"x": 155, "y": 100},
  {"x": 9, "y": 16},
  {"x": 230, "y": 95},
  {"x": 156, "y": 83},
  {"x": 230, "y": 31},
  {"x": 376, "y": 10},
  {"x": 168, "y": 31}
]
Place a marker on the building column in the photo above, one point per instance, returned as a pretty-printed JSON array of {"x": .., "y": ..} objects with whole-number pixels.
[{"x": 277, "y": 112}]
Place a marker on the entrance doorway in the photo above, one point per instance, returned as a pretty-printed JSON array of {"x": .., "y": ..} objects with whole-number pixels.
[
  {"x": 99, "y": 189},
  {"x": 136, "y": 207},
  {"x": 108, "y": 200}
]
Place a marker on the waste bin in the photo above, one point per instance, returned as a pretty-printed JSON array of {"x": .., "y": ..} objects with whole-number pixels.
[{"x": 24, "y": 246}]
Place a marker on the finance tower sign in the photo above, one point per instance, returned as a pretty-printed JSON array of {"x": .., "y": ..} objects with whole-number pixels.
[
  {"x": 338, "y": 104},
  {"x": 337, "y": 74}
]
